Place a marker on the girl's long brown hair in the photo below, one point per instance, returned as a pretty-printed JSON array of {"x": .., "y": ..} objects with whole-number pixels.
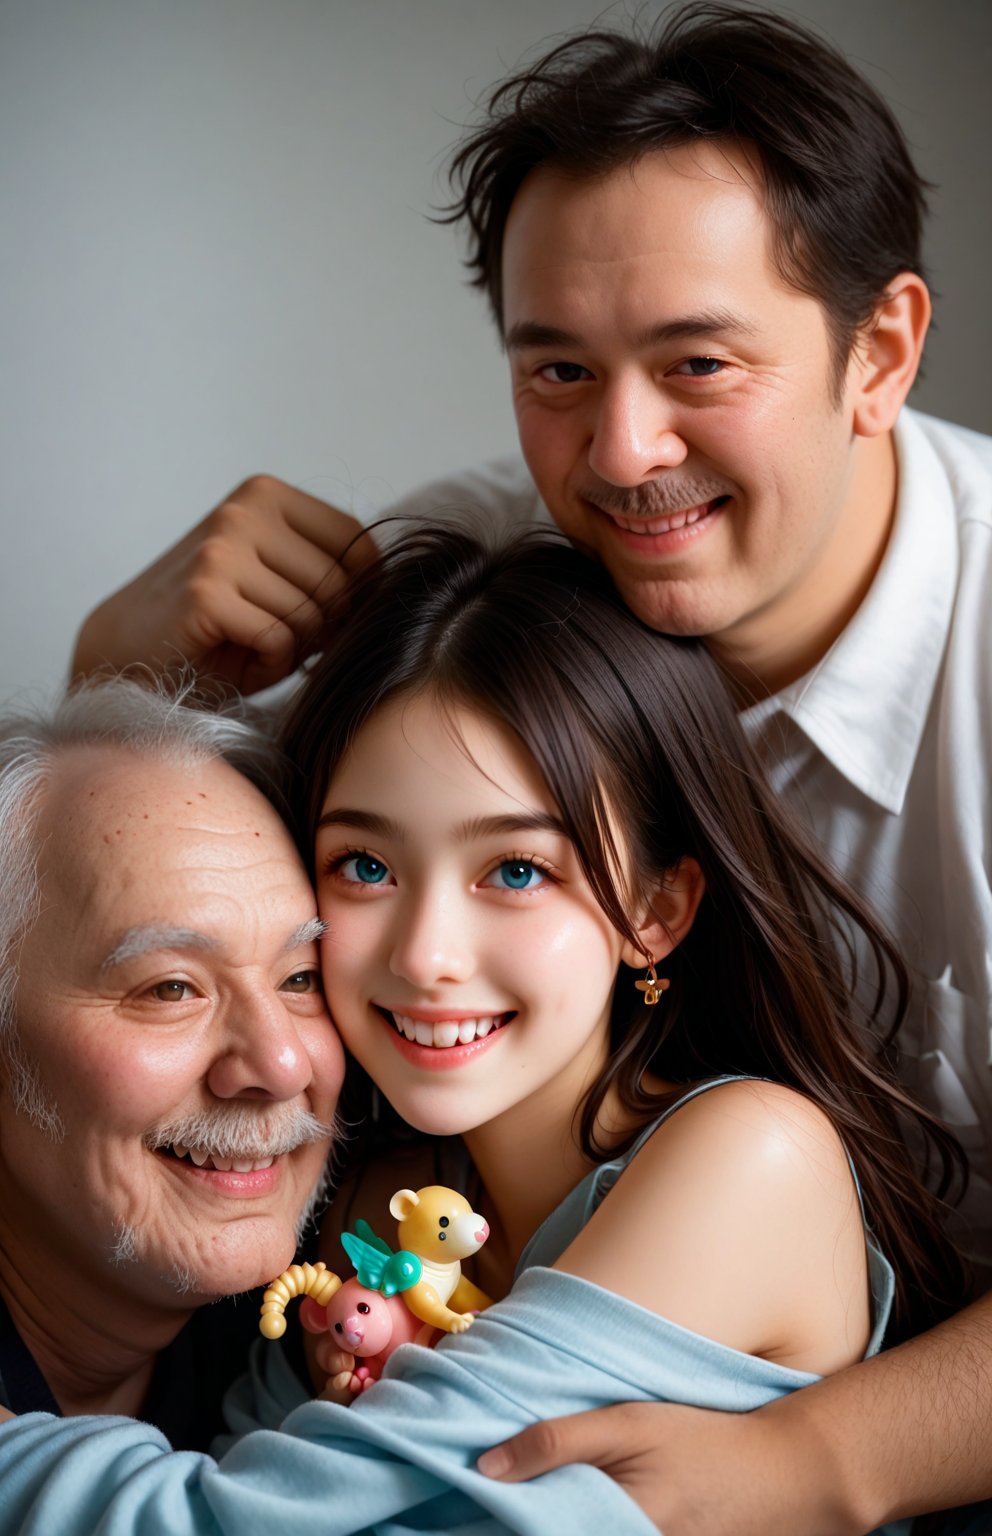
[{"x": 634, "y": 729}]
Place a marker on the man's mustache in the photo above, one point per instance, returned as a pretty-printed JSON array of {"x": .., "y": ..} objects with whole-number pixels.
[
  {"x": 242, "y": 1131},
  {"x": 671, "y": 492}
]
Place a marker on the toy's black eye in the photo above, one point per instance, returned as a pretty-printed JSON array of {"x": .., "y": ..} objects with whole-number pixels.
[
  {"x": 363, "y": 1306},
  {"x": 338, "y": 1328},
  {"x": 445, "y": 1222},
  {"x": 441, "y": 1236}
]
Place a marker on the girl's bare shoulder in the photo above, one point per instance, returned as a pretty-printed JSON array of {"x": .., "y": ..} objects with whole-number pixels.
[{"x": 740, "y": 1220}]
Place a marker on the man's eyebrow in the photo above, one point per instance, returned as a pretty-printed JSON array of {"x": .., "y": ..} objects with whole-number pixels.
[
  {"x": 144, "y": 940},
  {"x": 706, "y": 324},
  {"x": 307, "y": 933},
  {"x": 361, "y": 821},
  {"x": 497, "y": 826},
  {"x": 530, "y": 333},
  {"x": 709, "y": 322}
]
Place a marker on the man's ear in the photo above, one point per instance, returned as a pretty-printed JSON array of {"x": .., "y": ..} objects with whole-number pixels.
[
  {"x": 669, "y": 916},
  {"x": 886, "y": 357}
]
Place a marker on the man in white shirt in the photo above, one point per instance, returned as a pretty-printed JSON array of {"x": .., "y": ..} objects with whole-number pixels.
[{"x": 702, "y": 252}]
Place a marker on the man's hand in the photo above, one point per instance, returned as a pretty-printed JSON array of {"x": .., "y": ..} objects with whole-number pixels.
[
  {"x": 693, "y": 1472},
  {"x": 6, "y": 1414},
  {"x": 241, "y": 597},
  {"x": 905, "y": 1433}
]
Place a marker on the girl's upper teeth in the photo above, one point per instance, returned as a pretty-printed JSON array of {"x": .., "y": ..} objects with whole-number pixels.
[{"x": 446, "y": 1034}]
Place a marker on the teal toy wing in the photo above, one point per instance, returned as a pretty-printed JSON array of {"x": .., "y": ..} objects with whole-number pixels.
[{"x": 378, "y": 1268}]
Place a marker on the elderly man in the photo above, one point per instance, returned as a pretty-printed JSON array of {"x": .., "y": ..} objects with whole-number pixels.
[
  {"x": 702, "y": 251},
  {"x": 168, "y": 1070}
]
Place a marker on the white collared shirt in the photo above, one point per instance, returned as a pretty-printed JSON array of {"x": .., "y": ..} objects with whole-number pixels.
[{"x": 886, "y": 749}]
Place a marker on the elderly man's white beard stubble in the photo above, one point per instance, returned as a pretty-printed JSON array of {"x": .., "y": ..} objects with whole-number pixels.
[
  {"x": 240, "y": 1134},
  {"x": 26, "y": 1089},
  {"x": 245, "y": 1134}
]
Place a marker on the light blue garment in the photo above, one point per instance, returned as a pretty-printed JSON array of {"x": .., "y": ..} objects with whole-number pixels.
[{"x": 402, "y": 1458}]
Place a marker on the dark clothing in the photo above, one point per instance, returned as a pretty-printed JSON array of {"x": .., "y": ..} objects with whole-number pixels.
[{"x": 188, "y": 1384}]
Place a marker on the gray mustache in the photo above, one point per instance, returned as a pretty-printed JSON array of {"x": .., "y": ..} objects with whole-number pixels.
[
  {"x": 673, "y": 493},
  {"x": 242, "y": 1132}
]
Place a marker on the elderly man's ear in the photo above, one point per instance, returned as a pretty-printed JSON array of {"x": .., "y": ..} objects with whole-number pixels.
[{"x": 886, "y": 357}]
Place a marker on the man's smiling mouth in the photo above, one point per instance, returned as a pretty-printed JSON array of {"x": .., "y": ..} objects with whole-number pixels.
[
  {"x": 670, "y": 523},
  {"x": 202, "y": 1157},
  {"x": 444, "y": 1034}
]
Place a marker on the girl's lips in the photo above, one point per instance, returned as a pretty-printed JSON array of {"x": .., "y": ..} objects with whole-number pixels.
[{"x": 446, "y": 1039}]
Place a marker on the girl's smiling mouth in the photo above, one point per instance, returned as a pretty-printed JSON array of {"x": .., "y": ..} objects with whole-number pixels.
[{"x": 444, "y": 1030}]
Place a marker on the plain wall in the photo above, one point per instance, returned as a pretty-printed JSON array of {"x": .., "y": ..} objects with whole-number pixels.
[{"x": 216, "y": 259}]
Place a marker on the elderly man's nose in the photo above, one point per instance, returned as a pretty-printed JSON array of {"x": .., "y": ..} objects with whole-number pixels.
[{"x": 261, "y": 1054}]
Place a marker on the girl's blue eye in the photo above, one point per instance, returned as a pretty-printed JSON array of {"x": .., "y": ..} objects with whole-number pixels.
[
  {"x": 516, "y": 875},
  {"x": 364, "y": 869}
]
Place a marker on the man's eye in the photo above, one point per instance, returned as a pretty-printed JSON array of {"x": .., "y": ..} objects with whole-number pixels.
[
  {"x": 302, "y": 982},
  {"x": 171, "y": 991},
  {"x": 564, "y": 373},
  {"x": 516, "y": 875},
  {"x": 700, "y": 367},
  {"x": 363, "y": 869}
]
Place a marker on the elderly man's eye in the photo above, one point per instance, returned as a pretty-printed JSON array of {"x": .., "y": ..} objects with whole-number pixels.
[
  {"x": 302, "y": 981},
  {"x": 171, "y": 991}
]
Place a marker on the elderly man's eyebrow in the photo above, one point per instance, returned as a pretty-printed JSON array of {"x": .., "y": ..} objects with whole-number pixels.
[
  {"x": 307, "y": 933},
  {"x": 150, "y": 937}
]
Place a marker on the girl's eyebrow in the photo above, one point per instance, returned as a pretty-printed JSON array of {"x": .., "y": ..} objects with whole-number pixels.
[
  {"x": 493, "y": 826},
  {"x": 466, "y": 832},
  {"x": 362, "y": 821}
]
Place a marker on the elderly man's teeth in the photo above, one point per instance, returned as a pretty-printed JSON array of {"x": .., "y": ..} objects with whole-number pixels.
[
  {"x": 444, "y": 1035},
  {"x": 202, "y": 1158}
]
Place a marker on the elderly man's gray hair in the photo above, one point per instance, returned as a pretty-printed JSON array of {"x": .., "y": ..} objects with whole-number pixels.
[{"x": 159, "y": 722}]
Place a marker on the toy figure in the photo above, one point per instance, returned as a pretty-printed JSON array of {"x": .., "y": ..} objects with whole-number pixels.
[
  {"x": 441, "y": 1228},
  {"x": 394, "y": 1298}
]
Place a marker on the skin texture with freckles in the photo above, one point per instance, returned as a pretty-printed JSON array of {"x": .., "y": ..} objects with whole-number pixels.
[
  {"x": 655, "y": 352},
  {"x": 219, "y": 1013}
]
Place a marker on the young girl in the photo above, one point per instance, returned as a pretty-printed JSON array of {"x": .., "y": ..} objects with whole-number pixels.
[{"x": 569, "y": 926}]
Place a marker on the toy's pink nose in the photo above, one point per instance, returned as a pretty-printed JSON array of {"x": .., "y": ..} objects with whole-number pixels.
[
  {"x": 482, "y": 1233},
  {"x": 353, "y": 1334}
]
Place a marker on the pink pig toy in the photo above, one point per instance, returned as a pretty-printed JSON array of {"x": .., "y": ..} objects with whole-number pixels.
[{"x": 367, "y": 1325}]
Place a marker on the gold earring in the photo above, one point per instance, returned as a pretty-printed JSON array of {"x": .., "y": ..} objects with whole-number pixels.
[{"x": 653, "y": 985}]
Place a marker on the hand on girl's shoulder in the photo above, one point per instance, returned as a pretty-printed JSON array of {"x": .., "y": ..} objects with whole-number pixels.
[{"x": 740, "y": 1220}]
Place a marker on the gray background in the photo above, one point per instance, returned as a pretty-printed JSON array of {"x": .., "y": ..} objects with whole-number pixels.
[{"x": 215, "y": 259}]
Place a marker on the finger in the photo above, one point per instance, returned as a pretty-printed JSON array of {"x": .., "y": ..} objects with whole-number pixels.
[
  {"x": 555, "y": 1443},
  {"x": 318, "y": 522},
  {"x": 331, "y": 1360},
  {"x": 280, "y": 580},
  {"x": 235, "y": 622}
]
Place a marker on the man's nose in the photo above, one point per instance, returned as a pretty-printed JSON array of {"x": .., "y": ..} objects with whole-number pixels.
[
  {"x": 634, "y": 434},
  {"x": 262, "y": 1054},
  {"x": 432, "y": 941}
]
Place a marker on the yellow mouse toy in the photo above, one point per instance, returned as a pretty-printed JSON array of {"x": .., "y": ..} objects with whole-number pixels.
[{"x": 441, "y": 1228}]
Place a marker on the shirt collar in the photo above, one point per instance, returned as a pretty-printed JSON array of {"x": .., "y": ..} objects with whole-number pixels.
[{"x": 865, "y": 704}]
